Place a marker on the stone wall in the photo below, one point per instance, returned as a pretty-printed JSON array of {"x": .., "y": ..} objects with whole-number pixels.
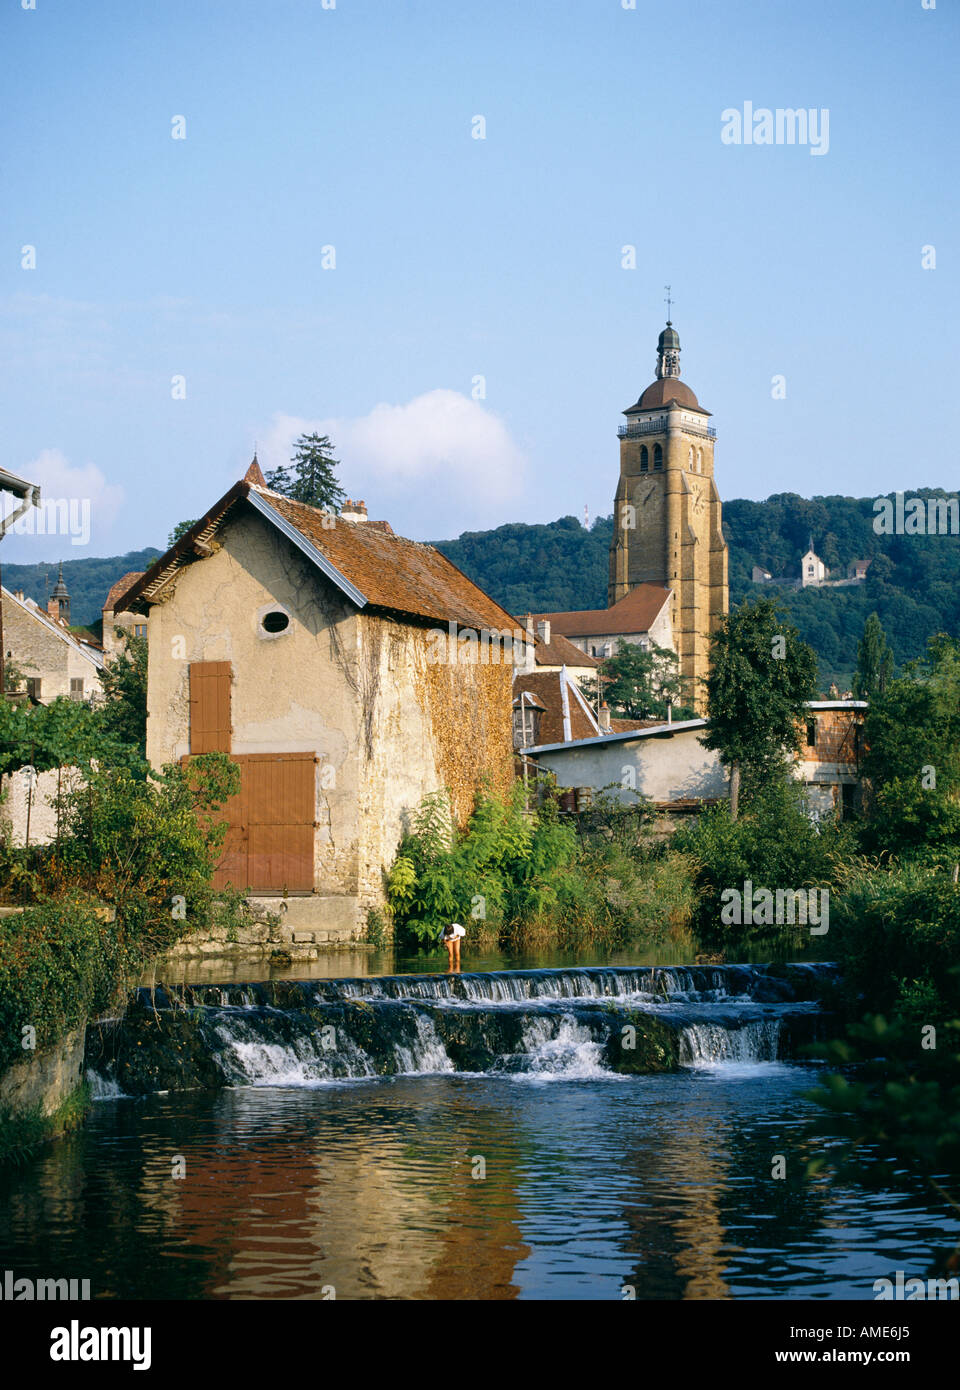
[{"x": 44, "y": 1079}]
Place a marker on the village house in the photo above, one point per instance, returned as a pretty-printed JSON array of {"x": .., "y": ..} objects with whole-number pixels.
[
  {"x": 134, "y": 624},
  {"x": 47, "y": 662},
  {"x": 667, "y": 765},
  {"x": 829, "y": 762},
  {"x": 312, "y": 648},
  {"x": 642, "y": 616},
  {"x": 52, "y": 660},
  {"x": 548, "y": 650}
]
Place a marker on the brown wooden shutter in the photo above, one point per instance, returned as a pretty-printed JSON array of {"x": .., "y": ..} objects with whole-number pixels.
[{"x": 210, "y": 706}]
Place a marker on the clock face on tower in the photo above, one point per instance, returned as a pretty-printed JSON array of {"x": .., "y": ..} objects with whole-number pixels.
[{"x": 698, "y": 502}]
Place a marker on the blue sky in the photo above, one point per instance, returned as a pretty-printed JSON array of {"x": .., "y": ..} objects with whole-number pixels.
[{"x": 459, "y": 258}]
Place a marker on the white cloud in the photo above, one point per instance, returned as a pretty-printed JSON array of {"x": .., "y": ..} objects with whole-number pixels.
[
  {"x": 440, "y": 462},
  {"x": 77, "y": 505}
]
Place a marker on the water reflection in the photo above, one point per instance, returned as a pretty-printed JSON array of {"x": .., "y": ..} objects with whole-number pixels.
[{"x": 660, "y": 1183}]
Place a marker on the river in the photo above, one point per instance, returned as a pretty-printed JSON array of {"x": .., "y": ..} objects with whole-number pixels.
[{"x": 471, "y": 1139}]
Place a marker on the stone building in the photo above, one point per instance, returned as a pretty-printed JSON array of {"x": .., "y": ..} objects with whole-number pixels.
[
  {"x": 134, "y": 623},
  {"x": 52, "y": 660},
  {"x": 344, "y": 668},
  {"x": 667, "y": 514},
  {"x": 641, "y": 616},
  {"x": 829, "y": 762},
  {"x": 52, "y": 663}
]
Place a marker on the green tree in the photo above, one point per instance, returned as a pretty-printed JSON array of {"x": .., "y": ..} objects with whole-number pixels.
[
  {"x": 312, "y": 480},
  {"x": 638, "y": 682},
  {"x": 874, "y": 660},
  {"x": 912, "y": 760},
  {"x": 181, "y": 528},
  {"x": 760, "y": 678},
  {"x": 124, "y": 682}
]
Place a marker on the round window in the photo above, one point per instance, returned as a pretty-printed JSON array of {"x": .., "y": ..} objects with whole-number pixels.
[{"x": 275, "y": 621}]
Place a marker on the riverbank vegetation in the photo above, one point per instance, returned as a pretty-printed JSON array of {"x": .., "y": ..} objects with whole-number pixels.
[
  {"x": 520, "y": 878},
  {"x": 127, "y": 875}
]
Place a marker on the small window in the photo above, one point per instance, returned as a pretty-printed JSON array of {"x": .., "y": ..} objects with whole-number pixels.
[
  {"x": 644, "y": 460},
  {"x": 76, "y": 687},
  {"x": 811, "y": 733},
  {"x": 139, "y": 629},
  {"x": 274, "y": 621},
  {"x": 657, "y": 458},
  {"x": 33, "y": 687}
]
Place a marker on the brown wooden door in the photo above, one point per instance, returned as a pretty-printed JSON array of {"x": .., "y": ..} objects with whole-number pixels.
[{"x": 270, "y": 840}]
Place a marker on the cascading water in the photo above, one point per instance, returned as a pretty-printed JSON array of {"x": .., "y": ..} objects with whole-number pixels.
[{"x": 584, "y": 1022}]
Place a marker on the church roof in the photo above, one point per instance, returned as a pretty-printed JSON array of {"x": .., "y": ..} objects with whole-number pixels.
[
  {"x": 660, "y": 393},
  {"x": 636, "y": 612}
]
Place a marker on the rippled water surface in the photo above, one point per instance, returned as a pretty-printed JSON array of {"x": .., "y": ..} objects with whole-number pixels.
[{"x": 564, "y": 1183}]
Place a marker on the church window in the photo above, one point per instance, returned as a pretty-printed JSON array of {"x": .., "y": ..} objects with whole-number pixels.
[
  {"x": 644, "y": 459},
  {"x": 657, "y": 458},
  {"x": 699, "y": 460},
  {"x": 690, "y": 459}
]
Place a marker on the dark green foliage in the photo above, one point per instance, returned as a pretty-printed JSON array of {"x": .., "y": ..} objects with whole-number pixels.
[
  {"x": 761, "y": 675},
  {"x": 146, "y": 843},
  {"x": 124, "y": 682},
  {"x": 638, "y": 682},
  {"x": 897, "y": 937},
  {"x": 89, "y": 581},
  {"x": 894, "y": 1100},
  {"x": 773, "y": 844},
  {"x": 147, "y": 848},
  {"x": 23, "y": 1132},
  {"x": 874, "y": 661},
  {"x": 310, "y": 478},
  {"x": 913, "y": 582},
  {"x": 65, "y": 733},
  {"x": 523, "y": 877},
  {"x": 912, "y": 739},
  {"x": 539, "y": 569},
  {"x": 181, "y": 529}
]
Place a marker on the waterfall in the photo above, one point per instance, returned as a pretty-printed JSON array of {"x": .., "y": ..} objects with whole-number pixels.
[
  {"x": 563, "y": 1023},
  {"x": 707, "y": 1044}
]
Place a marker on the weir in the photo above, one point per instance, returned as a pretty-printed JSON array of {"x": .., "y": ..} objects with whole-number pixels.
[{"x": 580, "y": 1022}]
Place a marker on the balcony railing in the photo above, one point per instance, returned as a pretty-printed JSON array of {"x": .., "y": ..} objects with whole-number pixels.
[{"x": 659, "y": 427}]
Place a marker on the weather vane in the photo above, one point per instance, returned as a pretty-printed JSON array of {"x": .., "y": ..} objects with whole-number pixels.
[{"x": 669, "y": 303}]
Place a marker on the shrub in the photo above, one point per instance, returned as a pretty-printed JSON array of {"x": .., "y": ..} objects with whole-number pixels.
[
  {"x": 773, "y": 844},
  {"x": 530, "y": 878}
]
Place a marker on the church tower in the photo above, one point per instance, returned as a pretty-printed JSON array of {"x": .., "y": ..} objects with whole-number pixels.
[{"x": 667, "y": 525}]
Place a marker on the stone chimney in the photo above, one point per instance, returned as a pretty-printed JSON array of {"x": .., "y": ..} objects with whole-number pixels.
[
  {"x": 353, "y": 511},
  {"x": 543, "y": 630},
  {"x": 604, "y": 720}
]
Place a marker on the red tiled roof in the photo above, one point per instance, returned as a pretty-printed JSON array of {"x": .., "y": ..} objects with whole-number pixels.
[
  {"x": 547, "y": 688},
  {"x": 636, "y": 612},
  {"x": 121, "y": 587},
  {"x": 561, "y": 652},
  {"x": 388, "y": 571},
  {"x": 624, "y": 726}
]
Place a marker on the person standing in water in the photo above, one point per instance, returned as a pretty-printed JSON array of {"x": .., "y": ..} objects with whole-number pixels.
[{"x": 453, "y": 934}]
